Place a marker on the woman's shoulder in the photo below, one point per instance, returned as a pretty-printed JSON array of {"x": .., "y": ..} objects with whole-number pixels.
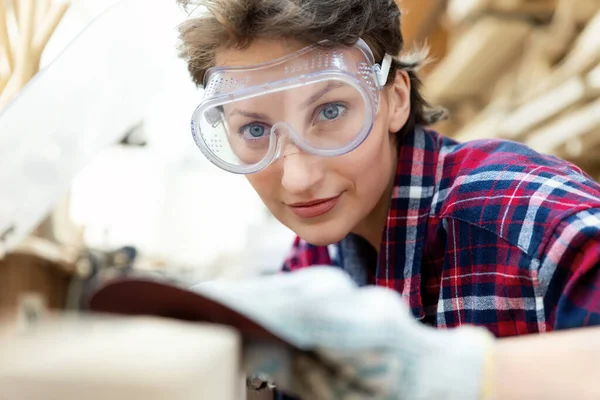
[{"x": 510, "y": 189}]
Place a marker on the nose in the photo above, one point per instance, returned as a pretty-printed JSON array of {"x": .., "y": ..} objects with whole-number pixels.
[{"x": 301, "y": 172}]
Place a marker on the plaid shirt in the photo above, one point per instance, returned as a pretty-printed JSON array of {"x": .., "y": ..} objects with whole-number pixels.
[{"x": 488, "y": 233}]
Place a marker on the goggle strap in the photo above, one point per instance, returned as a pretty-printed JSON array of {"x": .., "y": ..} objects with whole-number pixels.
[{"x": 384, "y": 70}]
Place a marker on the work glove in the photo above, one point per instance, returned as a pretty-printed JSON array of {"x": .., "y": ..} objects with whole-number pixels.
[{"x": 354, "y": 343}]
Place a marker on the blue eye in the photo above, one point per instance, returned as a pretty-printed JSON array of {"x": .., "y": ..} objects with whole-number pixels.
[
  {"x": 331, "y": 111},
  {"x": 254, "y": 131}
]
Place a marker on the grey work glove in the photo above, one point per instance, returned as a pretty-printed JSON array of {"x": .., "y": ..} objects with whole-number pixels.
[{"x": 354, "y": 343}]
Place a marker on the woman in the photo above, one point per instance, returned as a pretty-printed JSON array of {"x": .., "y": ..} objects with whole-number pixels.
[{"x": 312, "y": 101}]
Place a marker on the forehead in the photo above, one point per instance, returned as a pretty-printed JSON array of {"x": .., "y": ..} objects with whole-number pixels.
[{"x": 260, "y": 51}]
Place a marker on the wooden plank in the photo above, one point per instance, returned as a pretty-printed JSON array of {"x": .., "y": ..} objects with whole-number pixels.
[
  {"x": 421, "y": 27},
  {"x": 48, "y": 25},
  {"x": 54, "y": 253},
  {"x": 584, "y": 10},
  {"x": 477, "y": 59},
  {"x": 562, "y": 30},
  {"x": 42, "y": 9},
  {"x": 564, "y": 89},
  {"x": 592, "y": 81},
  {"x": 515, "y": 125},
  {"x": 31, "y": 42},
  {"x": 419, "y": 18},
  {"x": 490, "y": 117},
  {"x": 27, "y": 273},
  {"x": 438, "y": 48},
  {"x": 486, "y": 122},
  {"x": 543, "y": 108},
  {"x": 588, "y": 144},
  {"x": 565, "y": 92},
  {"x": 5, "y": 42},
  {"x": 583, "y": 149},
  {"x": 585, "y": 53},
  {"x": 577, "y": 124},
  {"x": 537, "y": 77},
  {"x": 544, "y": 47},
  {"x": 463, "y": 11},
  {"x": 532, "y": 67},
  {"x": 541, "y": 8}
]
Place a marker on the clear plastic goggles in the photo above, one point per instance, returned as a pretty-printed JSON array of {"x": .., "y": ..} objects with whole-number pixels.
[{"x": 321, "y": 100}]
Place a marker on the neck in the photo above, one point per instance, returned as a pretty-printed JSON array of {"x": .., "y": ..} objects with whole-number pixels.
[{"x": 371, "y": 228}]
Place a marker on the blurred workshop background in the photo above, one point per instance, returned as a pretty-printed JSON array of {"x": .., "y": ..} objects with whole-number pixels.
[{"x": 100, "y": 176}]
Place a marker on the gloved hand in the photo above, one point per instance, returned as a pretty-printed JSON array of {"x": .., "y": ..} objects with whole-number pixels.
[{"x": 356, "y": 343}]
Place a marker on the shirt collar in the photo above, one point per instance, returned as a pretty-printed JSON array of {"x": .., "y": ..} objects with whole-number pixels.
[{"x": 401, "y": 250}]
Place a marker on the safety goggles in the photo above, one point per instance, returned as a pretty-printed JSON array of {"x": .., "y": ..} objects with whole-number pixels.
[{"x": 321, "y": 100}]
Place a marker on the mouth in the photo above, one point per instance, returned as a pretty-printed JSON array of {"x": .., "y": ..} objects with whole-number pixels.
[{"x": 314, "y": 208}]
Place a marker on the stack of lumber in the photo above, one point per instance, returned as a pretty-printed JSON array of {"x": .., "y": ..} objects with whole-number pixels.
[
  {"x": 36, "y": 274},
  {"x": 25, "y": 29},
  {"x": 523, "y": 70}
]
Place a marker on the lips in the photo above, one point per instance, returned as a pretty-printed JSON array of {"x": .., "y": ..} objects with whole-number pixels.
[{"x": 314, "y": 208}]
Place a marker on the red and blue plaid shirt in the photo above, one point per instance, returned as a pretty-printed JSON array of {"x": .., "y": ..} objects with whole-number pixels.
[{"x": 488, "y": 233}]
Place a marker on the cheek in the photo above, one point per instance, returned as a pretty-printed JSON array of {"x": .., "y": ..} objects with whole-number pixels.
[
  {"x": 370, "y": 165},
  {"x": 266, "y": 183},
  {"x": 377, "y": 148}
]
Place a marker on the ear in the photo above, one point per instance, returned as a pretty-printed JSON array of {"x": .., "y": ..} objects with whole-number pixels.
[{"x": 398, "y": 93}]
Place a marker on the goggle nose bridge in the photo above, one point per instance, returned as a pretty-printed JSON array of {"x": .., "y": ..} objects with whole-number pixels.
[{"x": 283, "y": 131}]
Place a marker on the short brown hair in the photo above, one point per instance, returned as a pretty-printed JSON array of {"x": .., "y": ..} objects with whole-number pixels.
[{"x": 235, "y": 23}]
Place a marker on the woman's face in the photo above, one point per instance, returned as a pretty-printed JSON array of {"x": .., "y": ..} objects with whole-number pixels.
[{"x": 322, "y": 199}]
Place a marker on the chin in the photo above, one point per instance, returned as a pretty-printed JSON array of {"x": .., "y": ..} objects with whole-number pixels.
[{"x": 320, "y": 234}]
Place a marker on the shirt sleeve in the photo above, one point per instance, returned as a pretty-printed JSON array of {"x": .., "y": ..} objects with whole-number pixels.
[{"x": 569, "y": 273}]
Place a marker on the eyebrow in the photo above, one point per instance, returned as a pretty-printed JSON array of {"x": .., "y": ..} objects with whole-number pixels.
[
  {"x": 248, "y": 114},
  {"x": 313, "y": 99}
]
